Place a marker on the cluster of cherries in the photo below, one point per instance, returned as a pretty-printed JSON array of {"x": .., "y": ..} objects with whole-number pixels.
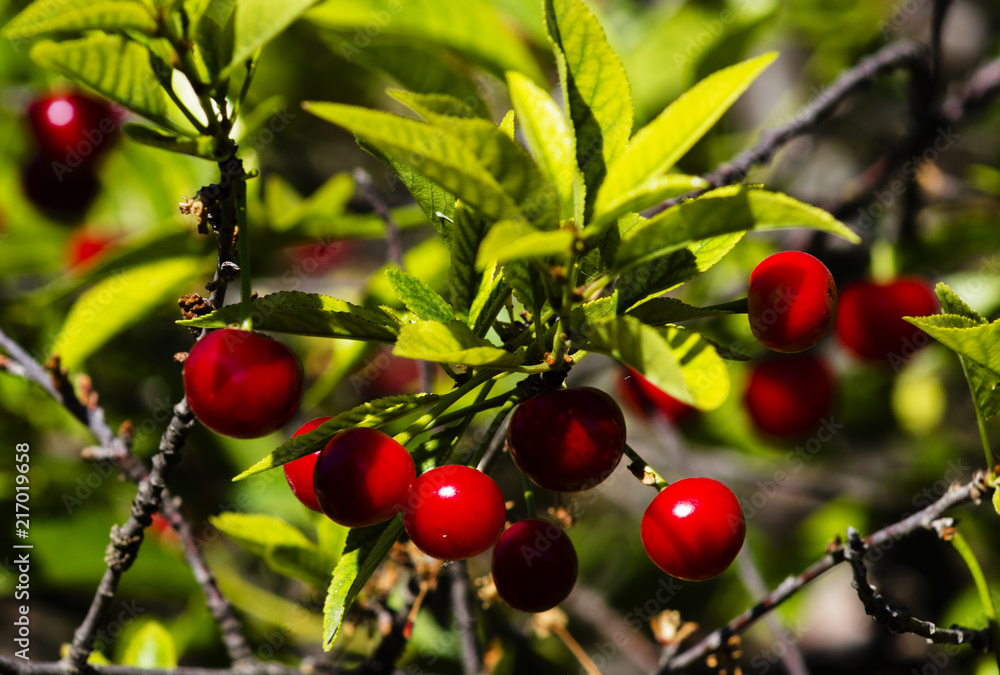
[
  {"x": 71, "y": 132},
  {"x": 792, "y": 305}
]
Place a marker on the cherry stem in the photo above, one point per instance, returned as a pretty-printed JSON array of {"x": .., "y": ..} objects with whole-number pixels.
[
  {"x": 649, "y": 475},
  {"x": 240, "y": 203},
  {"x": 529, "y": 497},
  {"x": 493, "y": 429},
  {"x": 964, "y": 550},
  {"x": 448, "y": 400}
]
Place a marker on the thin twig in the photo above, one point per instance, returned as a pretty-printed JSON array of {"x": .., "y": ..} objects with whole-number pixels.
[
  {"x": 13, "y": 666},
  {"x": 921, "y": 520},
  {"x": 381, "y": 208},
  {"x": 461, "y": 607}
]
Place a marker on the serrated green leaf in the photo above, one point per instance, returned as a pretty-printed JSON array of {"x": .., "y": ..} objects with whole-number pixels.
[
  {"x": 657, "y": 146},
  {"x": 966, "y": 337},
  {"x": 306, "y": 314},
  {"x": 669, "y": 271},
  {"x": 372, "y": 414},
  {"x": 215, "y": 36},
  {"x": 660, "y": 311},
  {"x": 352, "y": 572},
  {"x": 472, "y": 28},
  {"x": 585, "y": 316},
  {"x": 437, "y": 203},
  {"x": 442, "y": 158},
  {"x": 452, "y": 342},
  {"x": 43, "y": 18},
  {"x": 515, "y": 239},
  {"x": 952, "y": 304},
  {"x": 418, "y": 297},
  {"x": 677, "y": 360},
  {"x": 463, "y": 278},
  {"x": 723, "y": 211},
  {"x": 257, "y": 22},
  {"x": 113, "y": 66},
  {"x": 984, "y": 386},
  {"x": 547, "y": 135},
  {"x": 595, "y": 89},
  {"x": 202, "y": 146},
  {"x": 437, "y": 108},
  {"x": 507, "y": 125},
  {"x": 120, "y": 301},
  {"x": 282, "y": 546},
  {"x": 649, "y": 193},
  {"x": 151, "y": 647}
]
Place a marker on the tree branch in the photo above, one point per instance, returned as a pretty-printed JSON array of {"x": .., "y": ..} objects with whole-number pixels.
[
  {"x": 462, "y": 609},
  {"x": 13, "y": 666},
  {"x": 898, "y": 619},
  {"x": 921, "y": 520}
]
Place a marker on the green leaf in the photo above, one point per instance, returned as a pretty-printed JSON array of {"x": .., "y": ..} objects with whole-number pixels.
[
  {"x": 952, "y": 304},
  {"x": 515, "y": 239},
  {"x": 492, "y": 295},
  {"x": 669, "y": 271},
  {"x": 120, "y": 301},
  {"x": 151, "y": 647},
  {"x": 463, "y": 279},
  {"x": 437, "y": 108},
  {"x": 259, "y": 21},
  {"x": 660, "y": 311},
  {"x": 282, "y": 546},
  {"x": 657, "y": 146},
  {"x": 202, "y": 146},
  {"x": 215, "y": 36},
  {"x": 473, "y": 28},
  {"x": 678, "y": 361},
  {"x": 437, "y": 203},
  {"x": 510, "y": 166},
  {"x": 527, "y": 283},
  {"x": 306, "y": 314},
  {"x": 996, "y": 501},
  {"x": 584, "y": 317},
  {"x": 595, "y": 89},
  {"x": 418, "y": 297},
  {"x": 440, "y": 155},
  {"x": 113, "y": 66},
  {"x": 975, "y": 341},
  {"x": 352, "y": 572},
  {"x": 723, "y": 211},
  {"x": 43, "y": 18},
  {"x": 650, "y": 193},
  {"x": 332, "y": 538},
  {"x": 372, "y": 414},
  {"x": 452, "y": 342},
  {"x": 547, "y": 135}
]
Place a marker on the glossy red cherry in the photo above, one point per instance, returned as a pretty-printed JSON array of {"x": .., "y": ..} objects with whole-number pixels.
[
  {"x": 792, "y": 301},
  {"x": 870, "y": 321},
  {"x": 534, "y": 565},
  {"x": 242, "y": 384},
  {"x": 788, "y": 397},
  {"x": 362, "y": 477},
  {"x": 299, "y": 472},
  {"x": 454, "y": 512},
  {"x": 647, "y": 398},
  {"x": 73, "y": 129},
  {"x": 567, "y": 440},
  {"x": 693, "y": 529},
  {"x": 60, "y": 192}
]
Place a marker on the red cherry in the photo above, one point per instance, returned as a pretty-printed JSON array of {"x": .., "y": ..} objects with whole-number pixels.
[
  {"x": 242, "y": 384},
  {"x": 693, "y": 529},
  {"x": 62, "y": 193},
  {"x": 792, "y": 301},
  {"x": 454, "y": 512},
  {"x": 788, "y": 397},
  {"x": 299, "y": 472},
  {"x": 870, "y": 321},
  {"x": 534, "y": 565},
  {"x": 84, "y": 247},
  {"x": 362, "y": 477},
  {"x": 72, "y": 128},
  {"x": 646, "y": 397},
  {"x": 567, "y": 440}
]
